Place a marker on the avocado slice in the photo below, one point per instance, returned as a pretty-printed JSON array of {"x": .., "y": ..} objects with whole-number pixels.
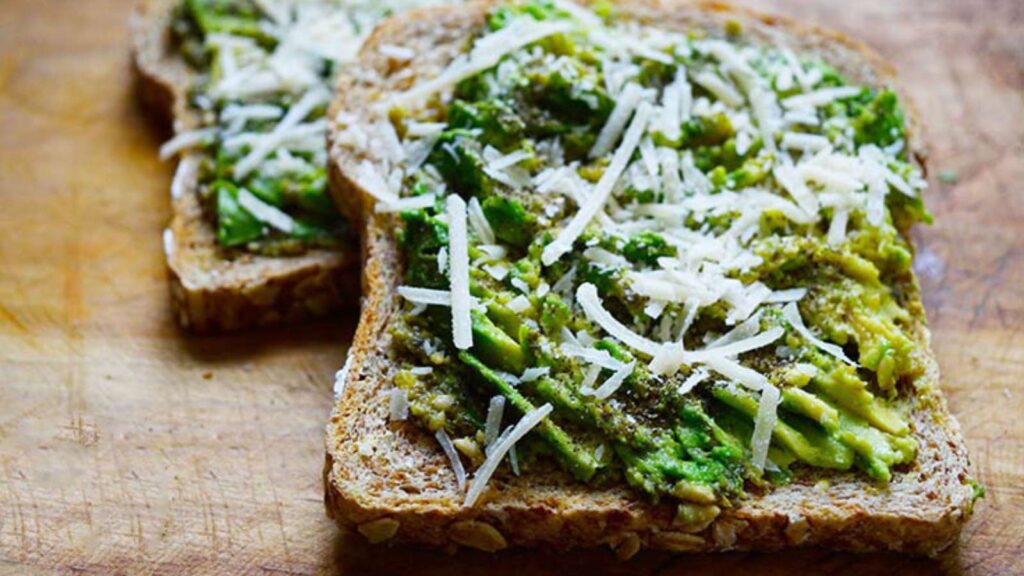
[
  {"x": 496, "y": 348},
  {"x": 579, "y": 462},
  {"x": 806, "y": 404},
  {"x": 846, "y": 389},
  {"x": 815, "y": 447}
]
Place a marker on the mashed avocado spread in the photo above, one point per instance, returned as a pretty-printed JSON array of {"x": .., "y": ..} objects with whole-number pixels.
[
  {"x": 265, "y": 73},
  {"x": 687, "y": 261}
]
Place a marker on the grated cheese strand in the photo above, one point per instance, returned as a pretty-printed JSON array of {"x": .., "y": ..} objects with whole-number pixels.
[
  {"x": 168, "y": 241},
  {"x": 797, "y": 189},
  {"x": 736, "y": 372},
  {"x": 594, "y": 203},
  {"x": 786, "y": 296},
  {"x": 483, "y": 474},
  {"x": 792, "y": 315},
  {"x": 268, "y": 142},
  {"x": 403, "y": 204},
  {"x": 341, "y": 377},
  {"x": 486, "y": 53},
  {"x": 820, "y": 97},
  {"x": 453, "y": 457},
  {"x": 533, "y": 374},
  {"x": 495, "y": 410},
  {"x": 699, "y": 375},
  {"x": 630, "y": 98},
  {"x": 479, "y": 222},
  {"x": 369, "y": 179},
  {"x": 736, "y": 348},
  {"x": 586, "y": 296},
  {"x": 458, "y": 273},
  {"x": 265, "y": 212},
  {"x": 427, "y": 296},
  {"x": 612, "y": 384},
  {"x": 764, "y": 424},
  {"x": 719, "y": 88},
  {"x": 186, "y": 141},
  {"x": 398, "y": 405}
]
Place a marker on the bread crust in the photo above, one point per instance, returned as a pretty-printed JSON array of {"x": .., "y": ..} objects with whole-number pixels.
[
  {"x": 215, "y": 289},
  {"x": 379, "y": 473}
]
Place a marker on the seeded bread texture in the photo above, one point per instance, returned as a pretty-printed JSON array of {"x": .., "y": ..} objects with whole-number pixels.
[
  {"x": 214, "y": 289},
  {"x": 391, "y": 482}
]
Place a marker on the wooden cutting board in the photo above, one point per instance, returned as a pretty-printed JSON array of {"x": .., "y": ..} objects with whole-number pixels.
[{"x": 126, "y": 448}]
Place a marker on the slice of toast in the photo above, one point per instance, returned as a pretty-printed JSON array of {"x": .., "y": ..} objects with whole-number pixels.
[
  {"x": 391, "y": 481},
  {"x": 215, "y": 289}
]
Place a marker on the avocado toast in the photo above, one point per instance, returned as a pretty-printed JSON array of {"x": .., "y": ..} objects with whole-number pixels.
[
  {"x": 637, "y": 276},
  {"x": 255, "y": 239}
]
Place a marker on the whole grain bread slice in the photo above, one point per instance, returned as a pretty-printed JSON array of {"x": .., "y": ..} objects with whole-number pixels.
[
  {"x": 391, "y": 481},
  {"x": 215, "y": 289}
]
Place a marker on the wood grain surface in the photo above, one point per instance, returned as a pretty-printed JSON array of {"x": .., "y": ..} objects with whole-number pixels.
[{"x": 126, "y": 448}]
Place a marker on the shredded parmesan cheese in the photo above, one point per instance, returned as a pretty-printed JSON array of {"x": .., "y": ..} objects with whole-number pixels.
[
  {"x": 341, "y": 376},
  {"x": 588, "y": 299},
  {"x": 265, "y": 212},
  {"x": 398, "y": 405},
  {"x": 764, "y": 424},
  {"x": 737, "y": 372},
  {"x": 184, "y": 176},
  {"x": 268, "y": 142},
  {"x": 797, "y": 189},
  {"x": 820, "y": 97},
  {"x": 613, "y": 383},
  {"x": 426, "y": 296},
  {"x": 453, "y": 457},
  {"x": 403, "y": 204},
  {"x": 486, "y": 53},
  {"x": 369, "y": 179},
  {"x": 478, "y": 221},
  {"x": 630, "y": 98},
  {"x": 168, "y": 239},
  {"x": 720, "y": 88},
  {"x": 696, "y": 377},
  {"x": 534, "y": 374},
  {"x": 458, "y": 273},
  {"x": 186, "y": 141},
  {"x": 595, "y": 201},
  {"x": 519, "y": 304},
  {"x": 495, "y": 410},
  {"x": 792, "y": 315},
  {"x": 483, "y": 474},
  {"x": 741, "y": 347},
  {"x": 785, "y": 296},
  {"x": 804, "y": 142}
]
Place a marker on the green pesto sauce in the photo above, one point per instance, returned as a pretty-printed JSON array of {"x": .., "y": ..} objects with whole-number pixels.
[
  {"x": 300, "y": 189},
  {"x": 693, "y": 447}
]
